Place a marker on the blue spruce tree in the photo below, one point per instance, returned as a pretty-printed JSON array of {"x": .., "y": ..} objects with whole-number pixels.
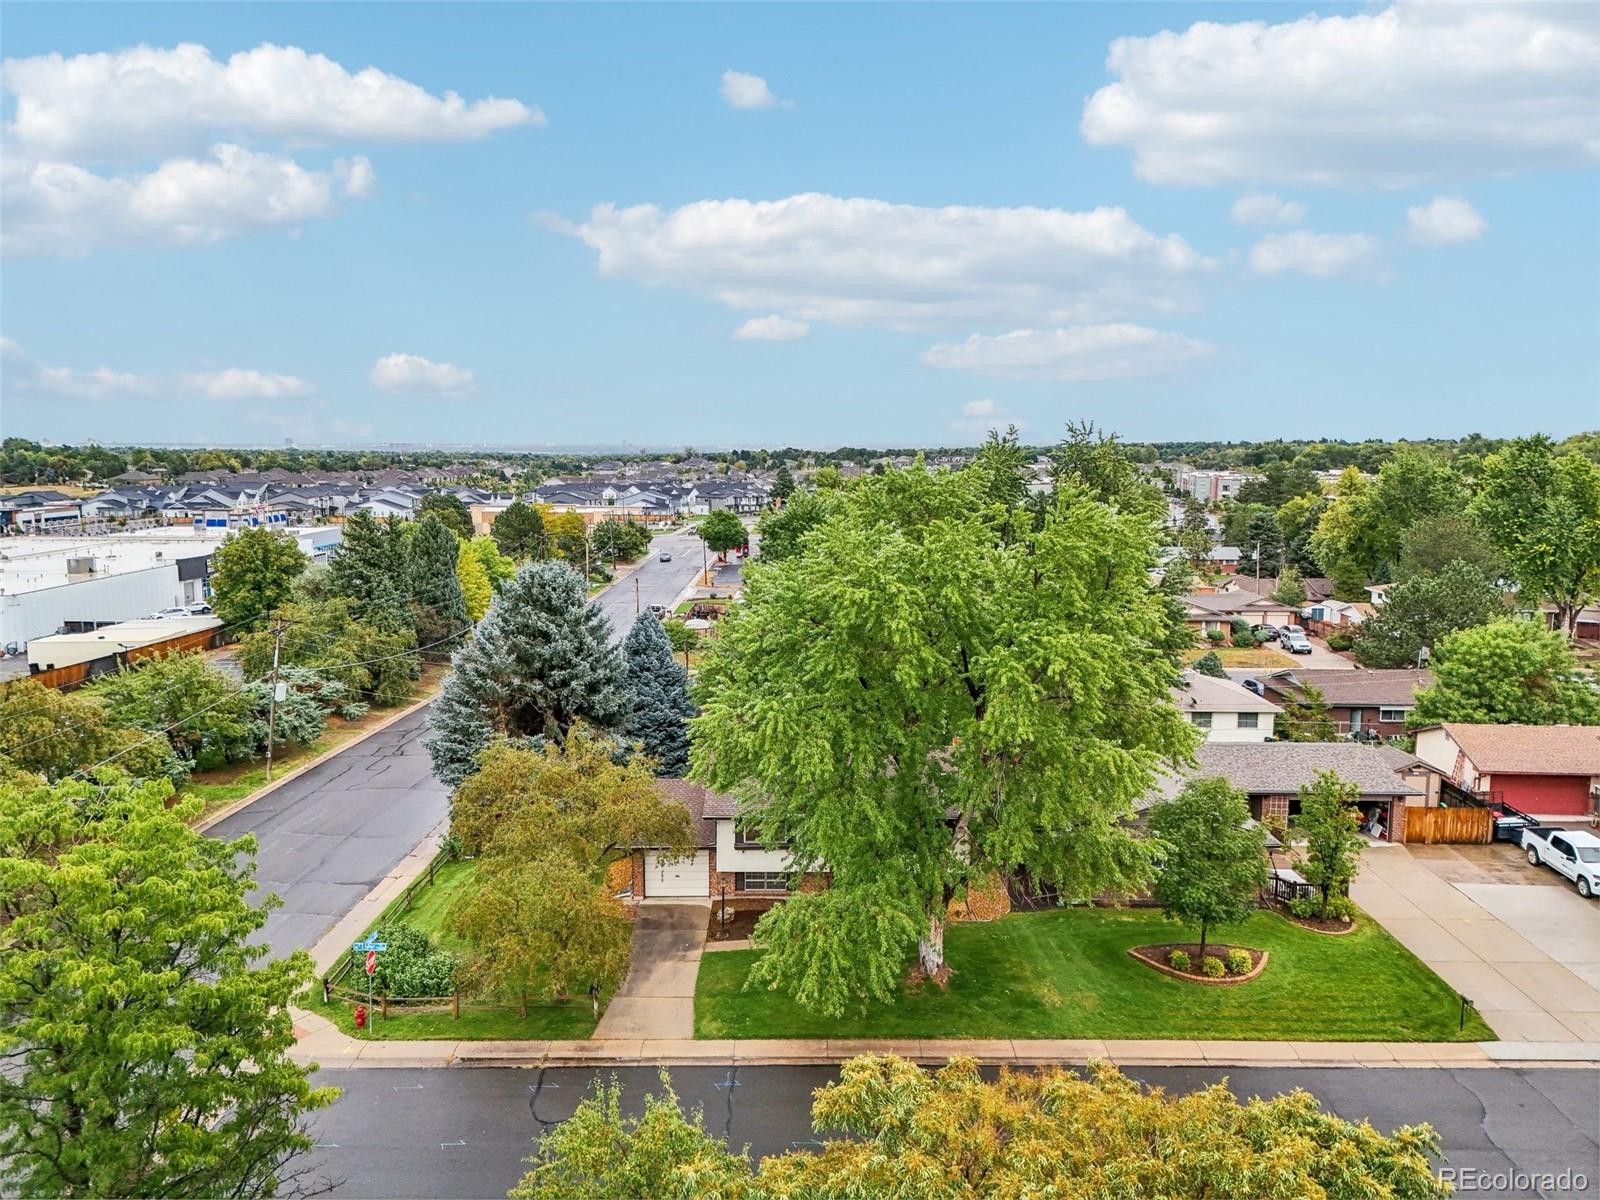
[{"x": 659, "y": 688}]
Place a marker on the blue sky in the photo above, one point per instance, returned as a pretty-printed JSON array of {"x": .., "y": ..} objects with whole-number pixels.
[{"x": 933, "y": 218}]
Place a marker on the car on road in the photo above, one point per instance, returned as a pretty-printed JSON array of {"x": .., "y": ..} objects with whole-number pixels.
[
  {"x": 666, "y": 556},
  {"x": 658, "y": 611},
  {"x": 1293, "y": 639},
  {"x": 1266, "y": 633},
  {"x": 1573, "y": 853}
]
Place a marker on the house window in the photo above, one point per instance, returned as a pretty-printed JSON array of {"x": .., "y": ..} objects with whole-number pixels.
[
  {"x": 746, "y": 839},
  {"x": 760, "y": 881},
  {"x": 1394, "y": 715},
  {"x": 1201, "y": 720},
  {"x": 1247, "y": 720}
]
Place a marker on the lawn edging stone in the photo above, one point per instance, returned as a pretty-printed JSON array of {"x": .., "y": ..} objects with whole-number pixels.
[{"x": 1159, "y": 952}]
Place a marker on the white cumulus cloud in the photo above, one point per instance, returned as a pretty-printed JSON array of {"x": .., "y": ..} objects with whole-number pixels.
[
  {"x": 26, "y": 377},
  {"x": 356, "y": 176},
  {"x": 743, "y": 90},
  {"x": 1413, "y": 92},
  {"x": 413, "y": 373},
  {"x": 1322, "y": 254},
  {"x": 153, "y": 101},
  {"x": 63, "y": 208},
  {"x": 869, "y": 262},
  {"x": 1266, "y": 208},
  {"x": 1444, "y": 220},
  {"x": 1075, "y": 354},
  {"x": 771, "y": 329},
  {"x": 978, "y": 417},
  {"x": 239, "y": 383}
]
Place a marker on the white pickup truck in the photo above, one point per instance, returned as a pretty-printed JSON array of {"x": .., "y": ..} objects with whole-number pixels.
[{"x": 1574, "y": 853}]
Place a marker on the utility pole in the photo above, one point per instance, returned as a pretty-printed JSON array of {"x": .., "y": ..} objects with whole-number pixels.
[
  {"x": 1258, "y": 564},
  {"x": 272, "y": 697},
  {"x": 636, "y": 593},
  {"x": 704, "y": 568}
]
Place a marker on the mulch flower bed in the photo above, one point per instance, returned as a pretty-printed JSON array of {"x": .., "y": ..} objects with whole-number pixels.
[
  {"x": 1156, "y": 956},
  {"x": 1331, "y": 925},
  {"x": 743, "y": 923}
]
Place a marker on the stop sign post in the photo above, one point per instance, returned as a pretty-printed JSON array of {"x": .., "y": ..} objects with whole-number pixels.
[
  {"x": 372, "y": 961},
  {"x": 371, "y": 947}
]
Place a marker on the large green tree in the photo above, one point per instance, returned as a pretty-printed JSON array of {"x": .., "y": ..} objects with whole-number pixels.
[
  {"x": 378, "y": 663},
  {"x": 252, "y": 573},
  {"x": 519, "y": 532},
  {"x": 615, "y": 538},
  {"x": 723, "y": 531},
  {"x": 53, "y": 734},
  {"x": 1433, "y": 543},
  {"x": 202, "y": 712},
  {"x": 658, "y": 691},
  {"x": 1213, "y": 859},
  {"x": 144, "y": 1038},
  {"x": 1542, "y": 511},
  {"x": 920, "y": 701},
  {"x": 450, "y": 509},
  {"x": 439, "y": 609},
  {"x": 1421, "y": 611},
  {"x": 1358, "y": 537},
  {"x": 1507, "y": 672},
  {"x": 1263, "y": 540},
  {"x": 369, "y": 568},
  {"x": 539, "y": 661},
  {"x": 779, "y": 531},
  {"x": 954, "y": 1135},
  {"x": 783, "y": 483}
]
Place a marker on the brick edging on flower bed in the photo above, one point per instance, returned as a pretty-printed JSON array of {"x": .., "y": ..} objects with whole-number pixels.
[{"x": 1225, "y": 981}]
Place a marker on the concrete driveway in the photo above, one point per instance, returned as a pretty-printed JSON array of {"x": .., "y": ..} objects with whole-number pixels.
[
  {"x": 1516, "y": 939},
  {"x": 656, "y": 1000}
]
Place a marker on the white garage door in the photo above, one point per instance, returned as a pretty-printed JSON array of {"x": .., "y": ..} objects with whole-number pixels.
[{"x": 685, "y": 877}]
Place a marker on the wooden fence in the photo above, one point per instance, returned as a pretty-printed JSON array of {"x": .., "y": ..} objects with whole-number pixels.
[{"x": 1430, "y": 826}]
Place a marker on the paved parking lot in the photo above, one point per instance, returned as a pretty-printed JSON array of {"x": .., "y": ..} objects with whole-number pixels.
[{"x": 1516, "y": 939}]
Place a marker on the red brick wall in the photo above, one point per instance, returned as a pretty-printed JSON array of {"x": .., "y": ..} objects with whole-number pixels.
[{"x": 1274, "y": 813}]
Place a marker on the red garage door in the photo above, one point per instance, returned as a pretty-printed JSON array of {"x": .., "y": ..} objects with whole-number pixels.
[{"x": 1566, "y": 795}]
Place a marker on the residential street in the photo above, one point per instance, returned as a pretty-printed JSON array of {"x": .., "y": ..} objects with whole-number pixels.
[
  {"x": 465, "y": 1132},
  {"x": 328, "y": 837},
  {"x": 653, "y": 582}
]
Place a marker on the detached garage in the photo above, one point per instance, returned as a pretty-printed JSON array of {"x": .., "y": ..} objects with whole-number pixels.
[
  {"x": 690, "y": 876},
  {"x": 1541, "y": 770}
]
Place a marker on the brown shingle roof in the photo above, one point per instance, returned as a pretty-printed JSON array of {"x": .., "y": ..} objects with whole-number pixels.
[
  {"x": 1392, "y": 688},
  {"x": 704, "y": 805},
  {"x": 1281, "y": 768},
  {"x": 1530, "y": 749}
]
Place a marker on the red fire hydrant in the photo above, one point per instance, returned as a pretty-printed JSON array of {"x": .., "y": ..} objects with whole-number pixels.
[{"x": 361, "y": 1016}]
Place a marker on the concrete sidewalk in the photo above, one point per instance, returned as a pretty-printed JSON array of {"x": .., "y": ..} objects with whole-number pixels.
[{"x": 1469, "y": 935}]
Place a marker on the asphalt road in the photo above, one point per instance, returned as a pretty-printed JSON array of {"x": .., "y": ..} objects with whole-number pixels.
[
  {"x": 654, "y": 581},
  {"x": 329, "y": 836},
  {"x": 465, "y": 1132}
]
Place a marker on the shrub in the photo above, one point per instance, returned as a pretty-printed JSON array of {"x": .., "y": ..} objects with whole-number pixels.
[
  {"x": 1239, "y": 961},
  {"x": 1309, "y": 908},
  {"x": 1178, "y": 960},
  {"x": 1340, "y": 640},
  {"x": 1211, "y": 967},
  {"x": 412, "y": 965},
  {"x": 1215, "y": 636}
]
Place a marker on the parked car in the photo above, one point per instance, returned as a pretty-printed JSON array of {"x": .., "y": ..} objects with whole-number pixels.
[
  {"x": 666, "y": 556},
  {"x": 162, "y": 614},
  {"x": 1293, "y": 639},
  {"x": 1574, "y": 853},
  {"x": 201, "y": 609},
  {"x": 658, "y": 611},
  {"x": 1266, "y": 633}
]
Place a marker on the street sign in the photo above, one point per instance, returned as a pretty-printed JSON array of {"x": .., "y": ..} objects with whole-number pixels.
[
  {"x": 372, "y": 961},
  {"x": 369, "y": 944}
]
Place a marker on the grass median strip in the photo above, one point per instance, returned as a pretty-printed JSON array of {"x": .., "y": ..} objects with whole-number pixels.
[{"x": 1068, "y": 974}]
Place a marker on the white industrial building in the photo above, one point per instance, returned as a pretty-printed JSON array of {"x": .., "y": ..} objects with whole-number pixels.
[{"x": 75, "y": 584}]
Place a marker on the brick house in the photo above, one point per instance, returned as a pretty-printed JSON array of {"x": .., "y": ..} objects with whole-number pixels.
[
  {"x": 728, "y": 861},
  {"x": 1542, "y": 770},
  {"x": 1361, "y": 702},
  {"x": 1271, "y": 775}
]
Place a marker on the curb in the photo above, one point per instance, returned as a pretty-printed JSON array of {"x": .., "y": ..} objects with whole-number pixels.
[{"x": 267, "y": 789}]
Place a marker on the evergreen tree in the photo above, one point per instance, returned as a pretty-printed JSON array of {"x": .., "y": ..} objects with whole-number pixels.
[
  {"x": 540, "y": 660},
  {"x": 1209, "y": 664},
  {"x": 783, "y": 484},
  {"x": 450, "y": 509},
  {"x": 660, "y": 697},
  {"x": 367, "y": 569},
  {"x": 1262, "y": 536},
  {"x": 439, "y": 606}
]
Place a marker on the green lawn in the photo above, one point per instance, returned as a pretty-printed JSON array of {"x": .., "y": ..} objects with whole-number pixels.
[
  {"x": 1067, "y": 974},
  {"x": 573, "y": 1020},
  {"x": 428, "y": 911}
]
